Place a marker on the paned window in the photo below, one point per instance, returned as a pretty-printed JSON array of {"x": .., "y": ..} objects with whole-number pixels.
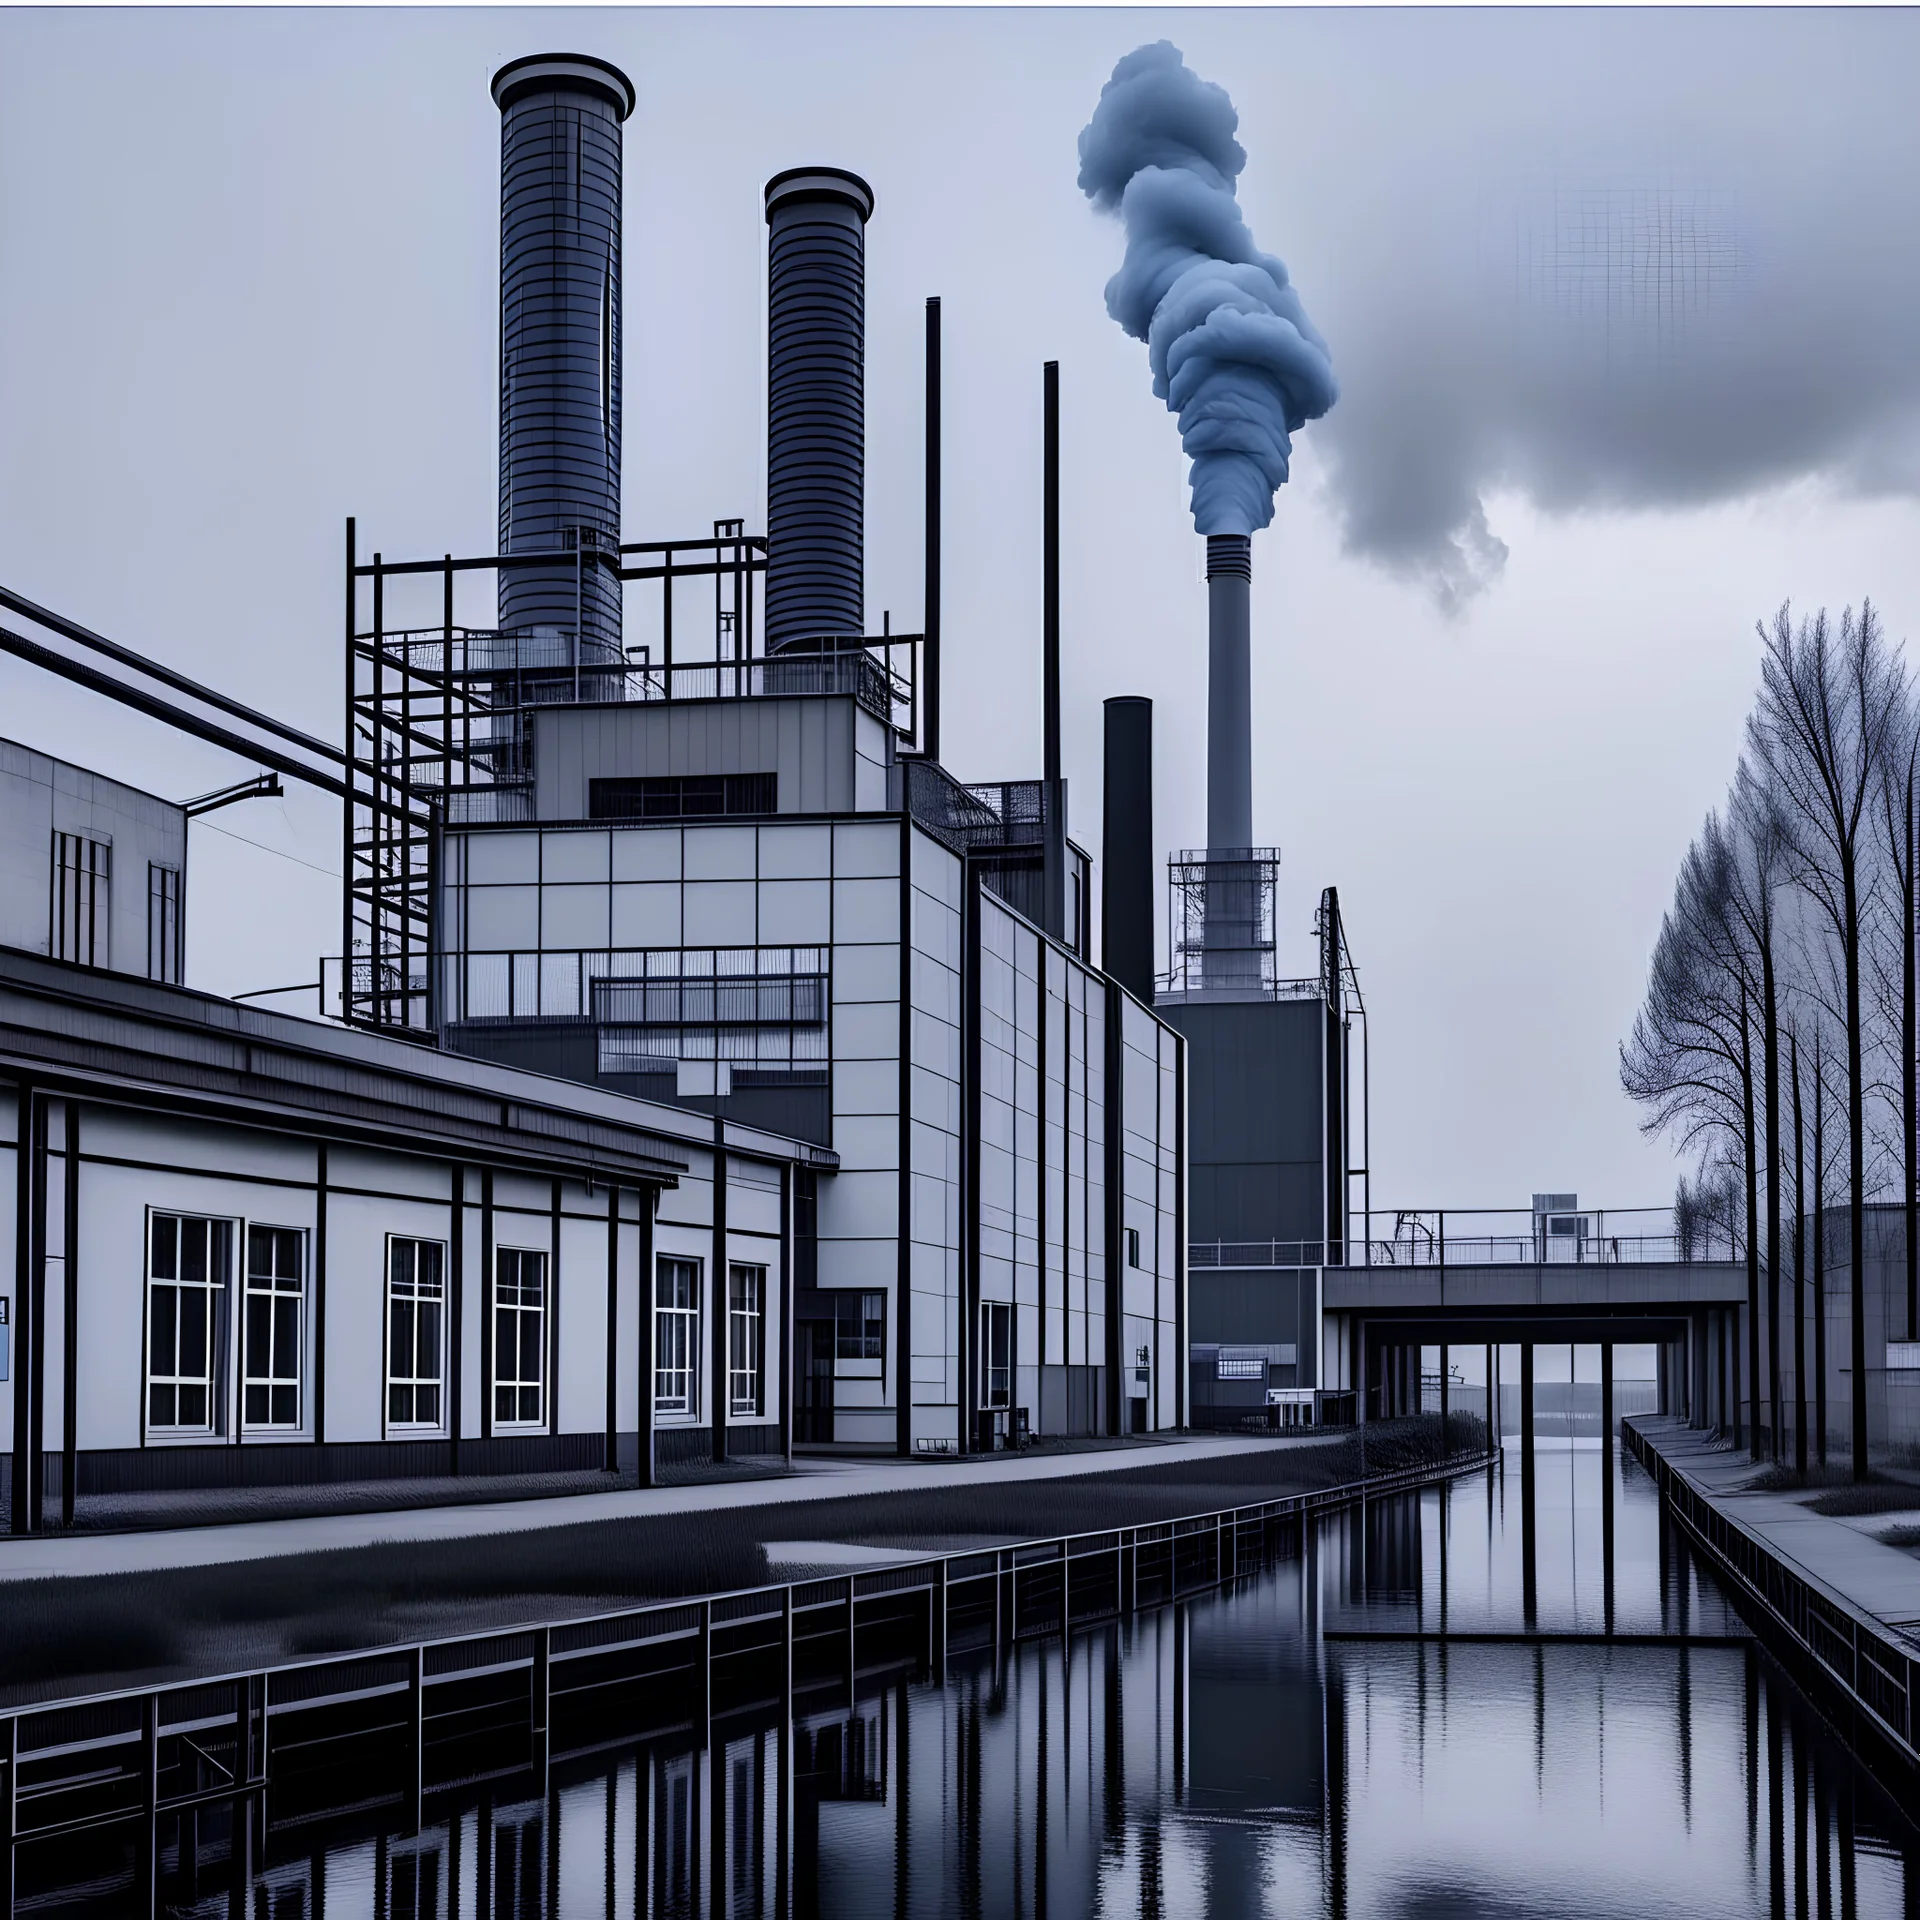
[
  {"x": 274, "y": 1327},
  {"x": 82, "y": 872},
  {"x": 860, "y": 1326},
  {"x": 996, "y": 1354},
  {"x": 163, "y": 924},
  {"x": 519, "y": 1337},
  {"x": 416, "y": 1353},
  {"x": 746, "y": 1338},
  {"x": 676, "y": 1336},
  {"x": 187, "y": 1261}
]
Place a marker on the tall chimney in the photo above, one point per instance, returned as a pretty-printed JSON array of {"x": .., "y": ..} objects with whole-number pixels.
[
  {"x": 1126, "y": 900},
  {"x": 1229, "y": 692},
  {"x": 560, "y": 119},
  {"x": 816, "y": 405}
]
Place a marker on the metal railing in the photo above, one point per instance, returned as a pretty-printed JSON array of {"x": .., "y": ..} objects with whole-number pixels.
[
  {"x": 1256, "y": 1253},
  {"x": 1864, "y": 1658},
  {"x": 1517, "y": 1236},
  {"x": 141, "y": 1752}
]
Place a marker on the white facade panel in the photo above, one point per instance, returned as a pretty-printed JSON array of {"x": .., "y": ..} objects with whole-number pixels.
[
  {"x": 796, "y": 912},
  {"x": 646, "y": 853},
  {"x": 721, "y": 853},
  {"x": 801, "y": 852},
  {"x": 496, "y": 859},
  {"x": 719, "y": 913},
  {"x": 575, "y": 856},
  {"x": 645, "y": 914}
]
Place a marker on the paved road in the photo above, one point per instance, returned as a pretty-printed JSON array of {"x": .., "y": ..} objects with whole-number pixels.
[{"x": 48, "y": 1556}]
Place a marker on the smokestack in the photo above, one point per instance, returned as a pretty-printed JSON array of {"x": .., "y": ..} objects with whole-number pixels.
[
  {"x": 1126, "y": 901},
  {"x": 560, "y": 173},
  {"x": 816, "y": 404},
  {"x": 1229, "y": 692}
]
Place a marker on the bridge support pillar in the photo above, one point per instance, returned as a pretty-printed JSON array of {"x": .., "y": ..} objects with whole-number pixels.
[{"x": 1529, "y": 1588}]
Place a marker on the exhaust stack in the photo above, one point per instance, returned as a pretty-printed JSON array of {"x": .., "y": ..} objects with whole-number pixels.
[
  {"x": 560, "y": 184},
  {"x": 1229, "y": 693},
  {"x": 1126, "y": 900},
  {"x": 816, "y": 405}
]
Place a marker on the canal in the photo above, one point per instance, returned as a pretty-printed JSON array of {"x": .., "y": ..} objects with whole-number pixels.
[{"x": 1362, "y": 1725}]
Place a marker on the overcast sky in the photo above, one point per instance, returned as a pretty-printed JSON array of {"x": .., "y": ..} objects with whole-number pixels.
[{"x": 1622, "y": 307}]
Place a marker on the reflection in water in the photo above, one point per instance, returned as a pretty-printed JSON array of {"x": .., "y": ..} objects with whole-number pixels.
[{"x": 1301, "y": 1742}]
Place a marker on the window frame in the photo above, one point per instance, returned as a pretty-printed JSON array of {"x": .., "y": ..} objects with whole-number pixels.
[
  {"x": 273, "y": 1382},
  {"x": 221, "y": 1240},
  {"x": 541, "y": 1386},
  {"x": 416, "y": 1381},
  {"x": 860, "y": 1347},
  {"x": 80, "y": 900},
  {"x": 996, "y": 1313},
  {"x": 746, "y": 1339},
  {"x": 684, "y": 1405},
  {"x": 166, "y": 932}
]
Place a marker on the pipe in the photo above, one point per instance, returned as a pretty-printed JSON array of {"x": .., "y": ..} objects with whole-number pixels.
[
  {"x": 1126, "y": 903},
  {"x": 930, "y": 619}
]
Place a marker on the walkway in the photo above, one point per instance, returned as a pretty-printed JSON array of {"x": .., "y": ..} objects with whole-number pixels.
[
  {"x": 45, "y": 1556},
  {"x": 1841, "y": 1558}
]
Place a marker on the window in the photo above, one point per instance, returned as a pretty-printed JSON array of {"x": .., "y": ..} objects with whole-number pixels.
[
  {"x": 1133, "y": 1246},
  {"x": 82, "y": 871},
  {"x": 187, "y": 1262},
  {"x": 519, "y": 1337},
  {"x": 416, "y": 1299},
  {"x": 163, "y": 924},
  {"x": 676, "y": 1336},
  {"x": 860, "y": 1326},
  {"x": 1240, "y": 1363},
  {"x": 996, "y": 1354},
  {"x": 746, "y": 1338},
  {"x": 682, "y": 796},
  {"x": 273, "y": 1327}
]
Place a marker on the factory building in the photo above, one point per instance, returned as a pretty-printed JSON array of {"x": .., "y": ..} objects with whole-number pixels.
[{"x": 675, "y": 825}]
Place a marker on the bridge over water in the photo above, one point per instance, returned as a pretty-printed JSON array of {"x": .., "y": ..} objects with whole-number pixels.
[{"x": 1527, "y": 1290}]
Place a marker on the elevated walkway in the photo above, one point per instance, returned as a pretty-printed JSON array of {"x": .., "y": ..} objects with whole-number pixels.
[{"x": 1486, "y": 1299}]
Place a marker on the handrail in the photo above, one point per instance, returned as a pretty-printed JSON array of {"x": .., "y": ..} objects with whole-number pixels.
[{"x": 774, "y": 1595}]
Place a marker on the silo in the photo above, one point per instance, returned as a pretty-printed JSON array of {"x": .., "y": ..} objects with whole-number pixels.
[
  {"x": 560, "y": 177},
  {"x": 816, "y": 405}
]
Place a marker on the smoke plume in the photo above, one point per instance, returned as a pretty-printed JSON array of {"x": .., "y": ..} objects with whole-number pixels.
[{"x": 1232, "y": 350}]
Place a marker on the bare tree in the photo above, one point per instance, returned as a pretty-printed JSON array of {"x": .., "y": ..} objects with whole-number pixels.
[
  {"x": 1897, "y": 972},
  {"x": 1759, "y": 850},
  {"x": 1689, "y": 1060},
  {"x": 1829, "y": 702}
]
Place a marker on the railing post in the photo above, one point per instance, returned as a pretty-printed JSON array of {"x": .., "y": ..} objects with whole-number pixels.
[
  {"x": 703, "y": 1678},
  {"x": 937, "y": 1625},
  {"x": 540, "y": 1696},
  {"x": 852, "y": 1665},
  {"x": 417, "y": 1713}
]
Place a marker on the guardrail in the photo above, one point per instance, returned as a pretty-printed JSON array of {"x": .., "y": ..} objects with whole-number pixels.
[
  {"x": 1877, "y": 1674},
  {"x": 475, "y": 1707}
]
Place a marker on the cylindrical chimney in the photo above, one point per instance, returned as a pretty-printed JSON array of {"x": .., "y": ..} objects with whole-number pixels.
[
  {"x": 560, "y": 119},
  {"x": 1229, "y": 692},
  {"x": 1126, "y": 899},
  {"x": 816, "y": 405}
]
